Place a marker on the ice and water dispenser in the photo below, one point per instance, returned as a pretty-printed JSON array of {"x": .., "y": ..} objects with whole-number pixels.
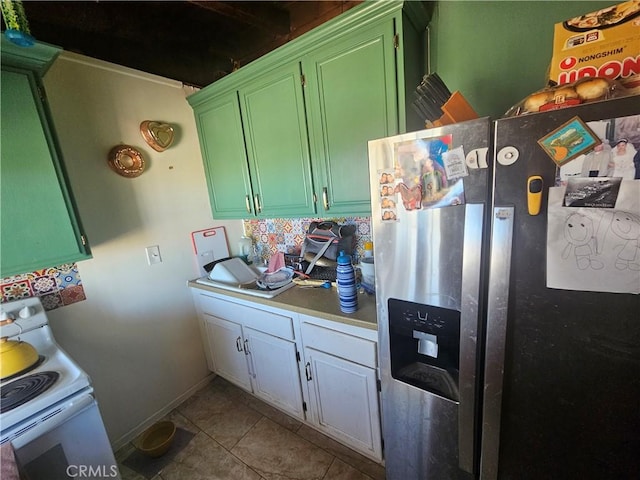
[{"x": 425, "y": 346}]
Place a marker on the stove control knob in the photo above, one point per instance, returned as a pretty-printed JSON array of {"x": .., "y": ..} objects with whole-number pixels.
[
  {"x": 6, "y": 318},
  {"x": 26, "y": 312}
]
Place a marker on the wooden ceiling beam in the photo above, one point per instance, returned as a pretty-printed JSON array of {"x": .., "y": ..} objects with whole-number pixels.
[
  {"x": 193, "y": 41},
  {"x": 257, "y": 14}
]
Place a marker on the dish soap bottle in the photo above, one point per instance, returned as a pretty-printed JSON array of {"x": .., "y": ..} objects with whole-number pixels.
[
  {"x": 368, "y": 249},
  {"x": 346, "y": 278}
]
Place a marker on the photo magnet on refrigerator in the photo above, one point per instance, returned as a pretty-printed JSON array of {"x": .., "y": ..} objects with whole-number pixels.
[{"x": 568, "y": 141}]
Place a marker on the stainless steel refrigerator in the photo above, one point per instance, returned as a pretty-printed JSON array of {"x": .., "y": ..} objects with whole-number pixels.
[{"x": 507, "y": 350}]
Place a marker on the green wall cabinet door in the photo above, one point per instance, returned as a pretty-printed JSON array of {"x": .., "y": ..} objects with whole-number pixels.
[
  {"x": 255, "y": 148},
  {"x": 308, "y": 110},
  {"x": 222, "y": 144},
  {"x": 275, "y": 125},
  {"x": 39, "y": 224},
  {"x": 352, "y": 98}
]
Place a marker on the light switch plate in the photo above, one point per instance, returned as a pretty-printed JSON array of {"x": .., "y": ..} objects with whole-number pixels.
[{"x": 153, "y": 255}]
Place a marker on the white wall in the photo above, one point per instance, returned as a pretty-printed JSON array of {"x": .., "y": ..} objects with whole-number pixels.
[{"x": 136, "y": 334}]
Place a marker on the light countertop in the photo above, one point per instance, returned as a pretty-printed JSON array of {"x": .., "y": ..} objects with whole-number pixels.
[{"x": 317, "y": 302}]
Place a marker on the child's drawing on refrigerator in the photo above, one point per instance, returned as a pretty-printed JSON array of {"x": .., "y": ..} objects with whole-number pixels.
[
  {"x": 592, "y": 248},
  {"x": 626, "y": 227},
  {"x": 581, "y": 242}
]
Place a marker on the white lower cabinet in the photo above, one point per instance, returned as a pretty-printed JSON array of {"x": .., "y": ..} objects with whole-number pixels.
[
  {"x": 274, "y": 368},
  {"x": 226, "y": 346},
  {"x": 341, "y": 375},
  {"x": 345, "y": 401},
  {"x": 322, "y": 372},
  {"x": 254, "y": 349}
]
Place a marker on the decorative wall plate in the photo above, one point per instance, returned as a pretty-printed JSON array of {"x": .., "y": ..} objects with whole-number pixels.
[
  {"x": 158, "y": 135},
  {"x": 126, "y": 161}
]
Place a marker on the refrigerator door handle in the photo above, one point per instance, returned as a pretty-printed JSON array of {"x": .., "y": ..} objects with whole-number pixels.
[
  {"x": 497, "y": 310},
  {"x": 469, "y": 321}
]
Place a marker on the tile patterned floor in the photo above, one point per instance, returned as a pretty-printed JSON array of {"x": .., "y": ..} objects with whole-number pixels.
[{"x": 238, "y": 437}]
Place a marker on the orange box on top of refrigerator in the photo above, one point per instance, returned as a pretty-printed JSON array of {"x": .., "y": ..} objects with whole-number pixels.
[{"x": 604, "y": 43}]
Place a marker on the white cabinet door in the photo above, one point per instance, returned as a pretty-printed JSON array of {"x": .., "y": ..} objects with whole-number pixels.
[
  {"x": 345, "y": 401},
  {"x": 275, "y": 371},
  {"x": 227, "y": 351}
]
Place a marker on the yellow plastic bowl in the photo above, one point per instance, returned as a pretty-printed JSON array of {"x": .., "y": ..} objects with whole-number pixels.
[{"x": 156, "y": 440}]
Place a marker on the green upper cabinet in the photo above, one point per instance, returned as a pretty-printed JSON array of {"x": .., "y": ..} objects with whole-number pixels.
[
  {"x": 274, "y": 118},
  {"x": 352, "y": 98},
  {"x": 39, "y": 224},
  {"x": 256, "y": 151},
  {"x": 219, "y": 127},
  {"x": 307, "y": 111}
]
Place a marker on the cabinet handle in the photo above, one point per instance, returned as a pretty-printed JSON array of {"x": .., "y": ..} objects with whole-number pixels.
[
  {"x": 256, "y": 203},
  {"x": 307, "y": 371},
  {"x": 247, "y": 203},
  {"x": 252, "y": 372},
  {"x": 325, "y": 198},
  {"x": 239, "y": 344}
]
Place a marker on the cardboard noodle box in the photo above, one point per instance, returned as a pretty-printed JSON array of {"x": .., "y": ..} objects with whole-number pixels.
[{"x": 604, "y": 43}]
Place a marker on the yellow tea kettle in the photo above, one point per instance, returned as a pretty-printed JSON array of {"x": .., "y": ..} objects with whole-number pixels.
[{"x": 15, "y": 356}]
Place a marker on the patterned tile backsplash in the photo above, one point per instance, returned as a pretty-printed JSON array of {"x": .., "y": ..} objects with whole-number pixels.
[
  {"x": 56, "y": 286},
  {"x": 61, "y": 285},
  {"x": 287, "y": 234}
]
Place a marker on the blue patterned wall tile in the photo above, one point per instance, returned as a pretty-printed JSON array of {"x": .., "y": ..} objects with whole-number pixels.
[
  {"x": 56, "y": 286},
  {"x": 286, "y": 235}
]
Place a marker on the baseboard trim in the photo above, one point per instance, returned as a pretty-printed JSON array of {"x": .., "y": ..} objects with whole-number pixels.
[{"x": 141, "y": 427}]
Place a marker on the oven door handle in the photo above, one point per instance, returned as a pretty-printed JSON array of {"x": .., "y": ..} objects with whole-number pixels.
[{"x": 54, "y": 417}]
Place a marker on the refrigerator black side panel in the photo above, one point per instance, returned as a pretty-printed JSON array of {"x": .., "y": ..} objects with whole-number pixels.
[{"x": 571, "y": 384}]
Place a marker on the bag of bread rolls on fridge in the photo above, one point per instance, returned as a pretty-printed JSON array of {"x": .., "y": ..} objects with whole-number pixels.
[{"x": 587, "y": 89}]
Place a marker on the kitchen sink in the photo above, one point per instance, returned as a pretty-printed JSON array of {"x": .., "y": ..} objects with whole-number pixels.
[
  {"x": 235, "y": 275},
  {"x": 251, "y": 289}
]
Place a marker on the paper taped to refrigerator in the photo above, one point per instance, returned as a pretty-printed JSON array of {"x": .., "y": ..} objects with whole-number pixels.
[{"x": 595, "y": 249}]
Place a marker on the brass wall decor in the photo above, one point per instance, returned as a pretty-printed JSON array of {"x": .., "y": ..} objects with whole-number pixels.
[
  {"x": 158, "y": 135},
  {"x": 126, "y": 161}
]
